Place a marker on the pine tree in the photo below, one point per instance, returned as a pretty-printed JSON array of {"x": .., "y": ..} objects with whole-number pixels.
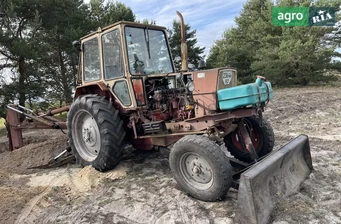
[
  {"x": 105, "y": 14},
  {"x": 194, "y": 52},
  {"x": 71, "y": 21},
  {"x": 19, "y": 27},
  {"x": 286, "y": 55}
]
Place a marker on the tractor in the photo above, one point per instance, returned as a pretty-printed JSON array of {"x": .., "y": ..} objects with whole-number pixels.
[{"x": 129, "y": 92}]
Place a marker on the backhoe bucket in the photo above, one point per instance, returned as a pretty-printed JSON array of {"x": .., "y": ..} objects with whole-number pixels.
[{"x": 268, "y": 181}]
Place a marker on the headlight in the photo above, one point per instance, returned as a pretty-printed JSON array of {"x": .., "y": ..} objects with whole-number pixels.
[{"x": 190, "y": 86}]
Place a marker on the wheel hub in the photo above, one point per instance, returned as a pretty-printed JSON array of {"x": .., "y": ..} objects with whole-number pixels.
[
  {"x": 198, "y": 169},
  {"x": 89, "y": 135}
]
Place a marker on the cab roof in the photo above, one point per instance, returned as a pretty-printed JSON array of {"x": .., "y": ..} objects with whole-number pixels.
[{"x": 123, "y": 23}]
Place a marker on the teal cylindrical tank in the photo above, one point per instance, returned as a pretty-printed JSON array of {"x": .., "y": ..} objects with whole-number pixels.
[{"x": 245, "y": 95}]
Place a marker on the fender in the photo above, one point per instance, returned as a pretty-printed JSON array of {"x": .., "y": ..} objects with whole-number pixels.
[{"x": 98, "y": 88}]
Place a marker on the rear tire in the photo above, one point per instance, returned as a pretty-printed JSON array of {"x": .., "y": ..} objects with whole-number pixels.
[
  {"x": 201, "y": 168},
  {"x": 262, "y": 137},
  {"x": 95, "y": 132}
]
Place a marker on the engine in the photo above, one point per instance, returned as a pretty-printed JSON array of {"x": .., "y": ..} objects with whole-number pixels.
[{"x": 168, "y": 99}]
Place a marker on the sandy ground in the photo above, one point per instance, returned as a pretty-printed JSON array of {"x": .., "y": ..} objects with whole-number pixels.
[{"x": 141, "y": 189}]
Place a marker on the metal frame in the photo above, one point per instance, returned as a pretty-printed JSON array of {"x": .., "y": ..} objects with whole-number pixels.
[{"x": 19, "y": 117}]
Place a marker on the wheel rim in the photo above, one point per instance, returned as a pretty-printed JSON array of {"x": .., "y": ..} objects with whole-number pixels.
[
  {"x": 196, "y": 171},
  {"x": 86, "y": 134},
  {"x": 254, "y": 136}
]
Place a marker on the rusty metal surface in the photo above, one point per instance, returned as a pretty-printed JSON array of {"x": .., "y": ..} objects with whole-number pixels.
[
  {"x": 173, "y": 134},
  {"x": 58, "y": 111},
  {"x": 183, "y": 126},
  {"x": 17, "y": 111},
  {"x": 14, "y": 135},
  {"x": 278, "y": 175},
  {"x": 184, "y": 62},
  {"x": 35, "y": 125},
  {"x": 165, "y": 141},
  {"x": 205, "y": 92},
  {"x": 29, "y": 121},
  {"x": 245, "y": 140},
  {"x": 51, "y": 118},
  {"x": 240, "y": 113},
  {"x": 141, "y": 143},
  {"x": 201, "y": 124},
  {"x": 10, "y": 144}
]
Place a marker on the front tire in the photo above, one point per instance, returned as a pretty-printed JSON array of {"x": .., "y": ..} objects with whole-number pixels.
[
  {"x": 201, "y": 168},
  {"x": 95, "y": 132},
  {"x": 262, "y": 137}
]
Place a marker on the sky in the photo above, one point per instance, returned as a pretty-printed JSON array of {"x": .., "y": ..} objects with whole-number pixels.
[{"x": 209, "y": 18}]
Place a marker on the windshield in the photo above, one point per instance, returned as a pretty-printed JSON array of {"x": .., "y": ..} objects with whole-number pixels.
[{"x": 147, "y": 51}]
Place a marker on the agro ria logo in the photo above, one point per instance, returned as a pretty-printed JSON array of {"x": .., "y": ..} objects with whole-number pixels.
[{"x": 322, "y": 16}]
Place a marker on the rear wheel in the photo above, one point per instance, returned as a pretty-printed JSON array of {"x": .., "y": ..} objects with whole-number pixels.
[
  {"x": 262, "y": 138},
  {"x": 201, "y": 168},
  {"x": 95, "y": 132}
]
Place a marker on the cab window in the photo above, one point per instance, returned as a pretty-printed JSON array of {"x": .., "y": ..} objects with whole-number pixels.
[
  {"x": 112, "y": 55},
  {"x": 147, "y": 51},
  {"x": 121, "y": 91},
  {"x": 91, "y": 60}
]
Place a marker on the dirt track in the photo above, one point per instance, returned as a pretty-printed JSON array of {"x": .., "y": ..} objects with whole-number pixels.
[{"x": 141, "y": 189}]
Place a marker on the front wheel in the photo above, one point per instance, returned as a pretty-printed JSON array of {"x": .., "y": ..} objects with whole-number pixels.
[
  {"x": 201, "y": 168},
  {"x": 95, "y": 132},
  {"x": 262, "y": 138}
]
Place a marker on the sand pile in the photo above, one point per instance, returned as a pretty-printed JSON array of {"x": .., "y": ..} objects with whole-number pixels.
[
  {"x": 34, "y": 154},
  {"x": 77, "y": 180}
]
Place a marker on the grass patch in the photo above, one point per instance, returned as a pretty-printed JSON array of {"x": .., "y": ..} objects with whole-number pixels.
[
  {"x": 3, "y": 130},
  {"x": 62, "y": 116},
  {"x": 2, "y": 123}
]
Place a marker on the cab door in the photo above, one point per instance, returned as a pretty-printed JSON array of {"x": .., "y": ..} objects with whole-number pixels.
[{"x": 113, "y": 67}]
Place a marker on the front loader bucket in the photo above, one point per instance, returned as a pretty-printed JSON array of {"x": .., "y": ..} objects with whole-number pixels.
[{"x": 268, "y": 181}]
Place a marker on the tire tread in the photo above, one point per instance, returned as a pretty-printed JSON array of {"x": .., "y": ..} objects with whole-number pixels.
[
  {"x": 111, "y": 131},
  {"x": 221, "y": 159}
]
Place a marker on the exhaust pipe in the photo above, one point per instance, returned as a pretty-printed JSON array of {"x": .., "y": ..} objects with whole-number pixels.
[{"x": 184, "y": 62}]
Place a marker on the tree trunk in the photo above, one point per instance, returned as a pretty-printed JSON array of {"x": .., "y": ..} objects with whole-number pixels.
[
  {"x": 75, "y": 74},
  {"x": 65, "y": 85},
  {"x": 22, "y": 78},
  {"x": 30, "y": 102}
]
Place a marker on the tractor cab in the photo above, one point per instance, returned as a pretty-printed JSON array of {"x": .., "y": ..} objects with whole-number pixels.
[
  {"x": 121, "y": 57},
  {"x": 132, "y": 63}
]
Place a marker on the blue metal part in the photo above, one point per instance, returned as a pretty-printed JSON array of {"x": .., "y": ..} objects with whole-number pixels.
[{"x": 245, "y": 95}]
